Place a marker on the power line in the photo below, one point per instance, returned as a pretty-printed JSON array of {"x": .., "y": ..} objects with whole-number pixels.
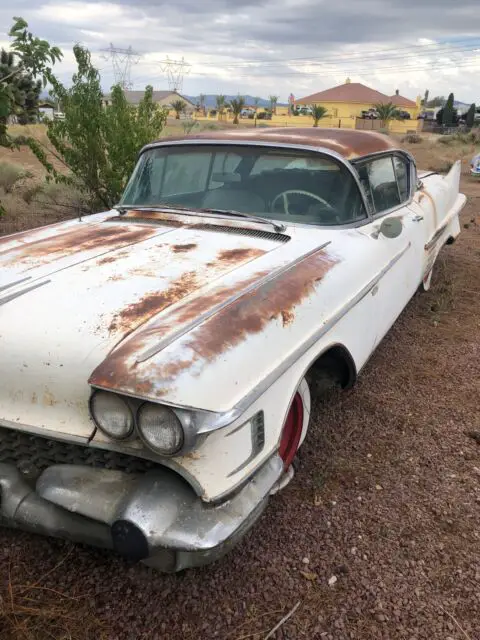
[
  {"x": 378, "y": 53},
  {"x": 176, "y": 70}
]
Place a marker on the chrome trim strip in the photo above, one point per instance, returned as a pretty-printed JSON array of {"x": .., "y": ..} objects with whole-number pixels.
[
  {"x": 221, "y": 305},
  {"x": 228, "y": 417},
  {"x": 13, "y": 284},
  {"x": 436, "y": 236},
  {"x": 12, "y": 296}
]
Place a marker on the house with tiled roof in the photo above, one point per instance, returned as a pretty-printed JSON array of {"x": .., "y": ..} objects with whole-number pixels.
[{"x": 348, "y": 100}]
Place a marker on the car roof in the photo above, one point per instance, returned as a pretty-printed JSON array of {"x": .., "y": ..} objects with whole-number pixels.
[{"x": 349, "y": 143}]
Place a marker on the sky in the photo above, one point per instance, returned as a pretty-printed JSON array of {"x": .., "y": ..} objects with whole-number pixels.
[{"x": 265, "y": 47}]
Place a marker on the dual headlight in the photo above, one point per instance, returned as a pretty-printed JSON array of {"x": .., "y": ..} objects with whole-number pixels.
[{"x": 157, "y": 425}]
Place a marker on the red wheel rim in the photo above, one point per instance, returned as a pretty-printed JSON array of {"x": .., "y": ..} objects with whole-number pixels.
[{"x": 292, "y": 431}]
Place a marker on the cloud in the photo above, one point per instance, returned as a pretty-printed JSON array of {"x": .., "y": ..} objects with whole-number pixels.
[{"x": 409, "y": 41}]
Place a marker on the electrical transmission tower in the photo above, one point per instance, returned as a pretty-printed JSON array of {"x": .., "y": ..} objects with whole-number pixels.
[
  {"x": 122, "y": 61},
  {"x": 175, "y": 70}
]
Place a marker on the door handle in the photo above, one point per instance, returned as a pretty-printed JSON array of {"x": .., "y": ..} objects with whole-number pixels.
[{"x": 417, "y": 218}]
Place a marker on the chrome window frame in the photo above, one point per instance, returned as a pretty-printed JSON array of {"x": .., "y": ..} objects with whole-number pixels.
[
  {"x": 411, "y": 175},
  {"x": 321, "y": 151}
]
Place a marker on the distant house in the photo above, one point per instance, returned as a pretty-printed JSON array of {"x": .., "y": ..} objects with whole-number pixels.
[
  {"x": 348, "y": 100},
  {"x": 46, "y": 110},
  {"x": 163, "y": 98},
  {"x": 405, "y": 103}
]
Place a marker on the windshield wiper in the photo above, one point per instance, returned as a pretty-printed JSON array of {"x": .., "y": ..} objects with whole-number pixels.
[{"x": 278, "y": 226}]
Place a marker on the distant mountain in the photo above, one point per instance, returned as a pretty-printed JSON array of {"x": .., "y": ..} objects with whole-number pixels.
[{"x": 211, "y": 100}]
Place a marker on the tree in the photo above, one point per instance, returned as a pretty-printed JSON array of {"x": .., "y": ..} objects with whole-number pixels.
[
  {"x": 201, "y": 99},
  {"x": 470, "y": 117},
  {"x": 33, "y": 58},
  {"x": 447, "y": 115},
  {"x": 437, "y": 101},
  {"x": 387, "y": 111},
  {"x": 179, "y": 106},
  {"x": 318, "y": 112},
  {"x": 23, "y": 89},
  {"x": 425, "y": 98},
  {"x": 273, "y": 103},
  {"x": 236, "y": 105},
  {"x": 221, "y": 103},
  {"x": 439, "y": 116},
  {"x": 98, "y": 145}
]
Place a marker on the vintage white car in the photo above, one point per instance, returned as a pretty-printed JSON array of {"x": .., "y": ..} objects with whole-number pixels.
[{"x": 156, "y": 358}]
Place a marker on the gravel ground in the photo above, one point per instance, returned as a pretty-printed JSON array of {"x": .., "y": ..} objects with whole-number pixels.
[{"x": 378, "y": 536}]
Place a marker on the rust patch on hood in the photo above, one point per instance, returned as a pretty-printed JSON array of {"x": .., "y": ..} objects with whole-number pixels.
[
  {"x": 183, "y": 248},
  {"x": 138, "y": 312},
  {"x": 154, "y": 215},
  {"x": 232, "y": 256},
  {"x": 249, "y": 314},
  {"x": 253, "y": 311},
  {"x": 83, "y": 238}
]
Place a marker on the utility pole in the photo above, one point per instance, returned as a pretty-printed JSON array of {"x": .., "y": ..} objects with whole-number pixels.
[
  {"x": 122, "y": 61},
  {"x": 175, "y": 71}
]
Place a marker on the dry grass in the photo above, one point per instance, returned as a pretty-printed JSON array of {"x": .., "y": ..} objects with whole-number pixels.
[{"x": 33, "y": 611}]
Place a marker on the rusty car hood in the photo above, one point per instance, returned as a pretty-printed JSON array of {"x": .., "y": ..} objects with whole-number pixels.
[{"x": 70, "y": 293}]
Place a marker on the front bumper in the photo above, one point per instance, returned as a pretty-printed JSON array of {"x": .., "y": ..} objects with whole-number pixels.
[{"x": 153, "y": 517}]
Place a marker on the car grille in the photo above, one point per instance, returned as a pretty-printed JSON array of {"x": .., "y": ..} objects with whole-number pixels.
[{"x": 31, "y": 454}]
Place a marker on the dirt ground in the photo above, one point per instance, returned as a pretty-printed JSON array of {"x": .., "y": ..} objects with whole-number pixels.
[{"x": 377, "y": 537}]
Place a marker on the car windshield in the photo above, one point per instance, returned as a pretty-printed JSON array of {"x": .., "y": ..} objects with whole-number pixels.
[{"x": 275, "y": 183}]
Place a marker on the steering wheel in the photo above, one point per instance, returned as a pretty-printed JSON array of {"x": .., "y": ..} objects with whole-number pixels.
[{"x": 284, "y": 195}]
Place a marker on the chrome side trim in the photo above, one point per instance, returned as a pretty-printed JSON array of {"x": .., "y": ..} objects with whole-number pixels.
[
  {"x": 12, "y": 296},
  {"x": 221, "y": 305},
  {"x": 436, "y": 236},
  {"x": 13, "y": 284},
  {"x": 224, "y": 419}
]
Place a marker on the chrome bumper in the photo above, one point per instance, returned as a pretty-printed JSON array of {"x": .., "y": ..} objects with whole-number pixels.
[{"x": 154, "y": 517}]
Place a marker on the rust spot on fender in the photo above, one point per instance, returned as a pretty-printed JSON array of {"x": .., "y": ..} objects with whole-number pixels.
[
  {"x": 252, "y": 312},
  {"x": 232, "y": 256},
  {"x": 137, "y": 313},
  {"x": 106, "y": 260},
  {"x": 77, "y": 239},
  {"x": 183, "y": 248}
]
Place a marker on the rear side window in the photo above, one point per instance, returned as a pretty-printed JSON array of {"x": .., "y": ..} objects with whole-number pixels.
[{"x": 385, "y": 181}]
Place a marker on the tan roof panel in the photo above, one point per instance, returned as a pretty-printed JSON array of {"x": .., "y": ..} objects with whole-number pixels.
[{"x": 400, "y": 101}]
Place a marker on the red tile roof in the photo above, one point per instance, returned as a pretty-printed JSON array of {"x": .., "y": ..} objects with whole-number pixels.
[
  {"x": 348, "y": 92},
  {"x": 400, "y": 101}
]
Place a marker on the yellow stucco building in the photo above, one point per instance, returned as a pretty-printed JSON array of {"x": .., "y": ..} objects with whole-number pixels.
[{"x": 346, "y": 102}]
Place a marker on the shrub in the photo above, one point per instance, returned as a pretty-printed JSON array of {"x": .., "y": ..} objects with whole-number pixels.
[
  {"x": 412, "y": 138},
  {"x": 10, "y": 175}
]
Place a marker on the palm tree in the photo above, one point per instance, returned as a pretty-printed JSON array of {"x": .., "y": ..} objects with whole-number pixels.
[
  {"x": 221, "y": 104},
  {"x": 387, "y": 111},
  {"x": 273, "y": 103},
  {"x": 236, "y": 106},
  {"x": 179, "y": 107},
  {"x": 201, "y": 99},
  {"x": 318, "y": 112}
]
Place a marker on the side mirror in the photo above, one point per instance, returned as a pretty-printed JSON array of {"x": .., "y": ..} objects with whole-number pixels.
[{"x": 391, "y": 227}]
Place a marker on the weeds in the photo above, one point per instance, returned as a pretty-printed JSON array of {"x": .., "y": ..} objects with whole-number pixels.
[
  {"x": 412, "y": 138},
  {"x": 10, "y": 175}
]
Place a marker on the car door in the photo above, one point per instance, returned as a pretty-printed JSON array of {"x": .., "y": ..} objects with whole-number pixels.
[{"x": 388, "y": 181}]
